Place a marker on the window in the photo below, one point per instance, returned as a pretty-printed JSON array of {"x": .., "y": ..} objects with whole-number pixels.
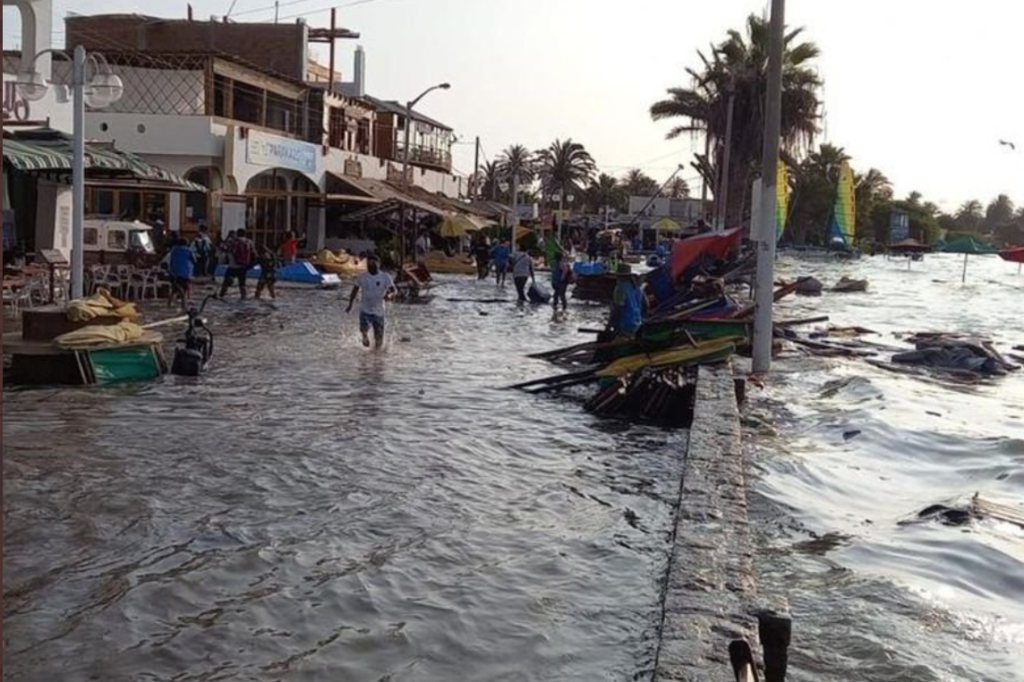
[
  {"x": 103, "y": 202},
  {"x": 221, "y": 96},
  {"x": 142, "y": 241},
  {"x": 117, "y": 240},
  {"x": 129, "y": 205},
  {"x": 363, "y": 137},
  {"x": 91, "y": 236},
  {"x": 336, "y": 128}
]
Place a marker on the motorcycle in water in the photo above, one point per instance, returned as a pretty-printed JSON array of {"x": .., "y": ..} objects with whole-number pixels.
[{"x": 194, "y": 351}]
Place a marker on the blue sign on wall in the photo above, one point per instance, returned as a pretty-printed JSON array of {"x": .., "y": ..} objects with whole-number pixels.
[{"x": 899, "y": 227}]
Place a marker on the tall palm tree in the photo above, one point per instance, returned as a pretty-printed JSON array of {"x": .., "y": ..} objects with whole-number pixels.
[
  {"x": 639, "y": 184},
  {"x": 999, "y": 212},
  {"x": 677, "y": 189},
  {"x": 564, "y": 167},
  {"x": 490, "y": 178},
  {"x": 737, "y": 67},
  {"x": 517, "y": 166}
]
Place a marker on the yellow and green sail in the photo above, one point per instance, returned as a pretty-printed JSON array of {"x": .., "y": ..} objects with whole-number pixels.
[
  {"x": 781, "y": 200},
  {"x": 844, "y": 229}
]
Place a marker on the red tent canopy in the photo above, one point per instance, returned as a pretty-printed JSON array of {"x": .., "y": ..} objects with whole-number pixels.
[
  {"x": 685, "y": 252},
  {"x": 1013, "y": 255}
]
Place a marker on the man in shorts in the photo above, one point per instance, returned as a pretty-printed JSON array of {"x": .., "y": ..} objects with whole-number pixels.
[
  {"x": 241, "y": 255},
  {"x": 376, "y": 287}
]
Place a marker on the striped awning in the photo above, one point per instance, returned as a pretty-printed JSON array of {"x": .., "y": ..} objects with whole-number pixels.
[
  {"x": 31, "y": 157},
  {"x": 55, "y": 153}
]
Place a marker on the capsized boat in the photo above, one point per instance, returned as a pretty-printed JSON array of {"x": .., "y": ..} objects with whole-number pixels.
[
  {"x": 341, "y": 264},
  {"x": 441, "y": 263},
  {"x": 300, "y": 275}
]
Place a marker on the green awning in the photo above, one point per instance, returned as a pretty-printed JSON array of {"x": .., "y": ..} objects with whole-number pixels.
[
  {"x": 53, "y": 152},
  {"x": 31, "y": 157}
]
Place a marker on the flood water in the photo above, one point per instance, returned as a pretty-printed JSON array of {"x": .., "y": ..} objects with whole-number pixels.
[
  {"x": 310, "y": 510},
  {"x": 858, "y": 449}
]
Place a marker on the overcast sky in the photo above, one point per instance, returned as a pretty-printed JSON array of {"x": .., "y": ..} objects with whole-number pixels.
[{"x": 921, "y": 89}]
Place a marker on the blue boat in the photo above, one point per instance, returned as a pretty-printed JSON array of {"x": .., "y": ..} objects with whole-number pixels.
[{"x": 300, "y": 275}]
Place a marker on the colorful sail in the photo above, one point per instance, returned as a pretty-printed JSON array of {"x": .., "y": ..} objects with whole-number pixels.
[
  {"x": 781, "y": 200},
  {"x": 843, "y": 229}
]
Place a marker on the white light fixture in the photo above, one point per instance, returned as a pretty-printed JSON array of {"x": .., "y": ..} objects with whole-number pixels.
[
  {"x": 503, "y": 186},
  {"x": 105, "y": 89},
  {"x": 32, "y": 85}
]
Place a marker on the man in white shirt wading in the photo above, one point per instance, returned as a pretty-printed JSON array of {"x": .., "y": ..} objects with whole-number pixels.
[{"x": 376, "y": 287}]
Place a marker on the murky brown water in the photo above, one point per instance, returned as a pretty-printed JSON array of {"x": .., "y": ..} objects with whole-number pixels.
[{"x": 309, "y": 511}]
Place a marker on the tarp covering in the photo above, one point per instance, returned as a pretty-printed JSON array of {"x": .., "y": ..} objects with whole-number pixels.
[
  {"x": 968, "y": 245},
  {"x": 458, "y": 226},
  {"x": 685, "y": 252}
]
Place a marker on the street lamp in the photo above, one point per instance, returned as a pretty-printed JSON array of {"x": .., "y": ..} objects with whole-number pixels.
[
  {"x": 504, "y": 187},
  {"x": 102, "y": 90},
  {"x": 405, "y": 150}
]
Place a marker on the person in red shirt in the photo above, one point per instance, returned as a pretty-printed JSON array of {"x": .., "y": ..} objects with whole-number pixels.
[{"x": 290, "y": 247}]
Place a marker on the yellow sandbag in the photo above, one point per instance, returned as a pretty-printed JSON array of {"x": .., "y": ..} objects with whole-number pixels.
[{"x": 99, "y": 335}]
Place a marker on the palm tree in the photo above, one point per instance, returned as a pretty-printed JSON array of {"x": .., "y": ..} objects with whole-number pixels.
[
  {"x": 517, "y": 166},
  {"x": 639, "y": 184},
  {"x": 490, "y": 179},
  {"x": 872, "y": 190},
  {"x": 677, "y": 189},
  {"x": 999, "y": 212},
  {"x": 605, "y": 193},
  {"x": 737, "y": 68},
  {"x": 564, "y": 167}
]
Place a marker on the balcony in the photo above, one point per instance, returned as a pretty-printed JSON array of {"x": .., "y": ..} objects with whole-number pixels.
[{"x": 427, "y": 157}]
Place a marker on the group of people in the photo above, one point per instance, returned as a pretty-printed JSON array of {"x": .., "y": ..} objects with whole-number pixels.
[{"x": 186, "y": 261}]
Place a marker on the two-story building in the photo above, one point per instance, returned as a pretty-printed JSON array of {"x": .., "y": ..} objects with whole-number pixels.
[{"x": 270, "y": 146}]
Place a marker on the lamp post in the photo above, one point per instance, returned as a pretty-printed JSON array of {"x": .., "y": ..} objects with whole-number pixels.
[
  {"x": 504, "y": 187},
  {"x": 102, "y": 90},
  {"x": 405, "y": 147}
]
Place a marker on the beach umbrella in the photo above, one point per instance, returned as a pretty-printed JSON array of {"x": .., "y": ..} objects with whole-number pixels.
[
  {"x": 457, "y": 226},
  {"x": 969, "y": 246}
]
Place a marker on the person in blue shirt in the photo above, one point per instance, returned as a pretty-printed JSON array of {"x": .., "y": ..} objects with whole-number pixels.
[
  {"x": 627, "y": 303},
  {"x": 499, "y": 256},
  {"x": 181, "y": 267}
]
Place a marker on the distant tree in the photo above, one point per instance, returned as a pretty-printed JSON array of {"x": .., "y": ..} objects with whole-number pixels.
[
  {"x": 969, "y": 216},
  {"x": 606, "y": 191},
  {"x": 677, "y": 189},
  {"x": 565, "y": 167},
  {"x": 738, "y": 66},
  {"x": 517, "y": 163},
  {"x": 814, "y": 194},
  {"x": 639, "y": 184},
  {"x": 490, "y": 179},
  {"x": 999, "y": 212}
]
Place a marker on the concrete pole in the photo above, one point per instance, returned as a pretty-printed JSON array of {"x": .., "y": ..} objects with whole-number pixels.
[
  {"x": 476, "y": 170},
  {"x": 727, "y": 157},
  {"x": 78, "y": 176},
  {"x": 763, "y": 324},
  {"x": 515, "y": 210},
  {"x": 561, "y": 209}
]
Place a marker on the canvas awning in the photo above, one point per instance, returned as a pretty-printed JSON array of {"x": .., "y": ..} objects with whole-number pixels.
[
  {"x": 388, "y": 199},
  {"x": 30, "y": 157},
  {"x": 52, "y": 151}
]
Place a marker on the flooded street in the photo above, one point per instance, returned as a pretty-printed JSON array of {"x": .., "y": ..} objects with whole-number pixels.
[
  {"x": 311, "y": 510},
  {"x": 858, "y": 449}
]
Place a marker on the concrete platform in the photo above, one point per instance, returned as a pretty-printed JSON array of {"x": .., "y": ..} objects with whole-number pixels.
[{"x": 710, "y": 589}]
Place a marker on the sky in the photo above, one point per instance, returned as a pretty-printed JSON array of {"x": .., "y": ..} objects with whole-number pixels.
[{"x": 920, "y": 89}]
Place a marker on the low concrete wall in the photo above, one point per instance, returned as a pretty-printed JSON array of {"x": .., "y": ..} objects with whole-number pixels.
[{"x": 710, "y": 587}]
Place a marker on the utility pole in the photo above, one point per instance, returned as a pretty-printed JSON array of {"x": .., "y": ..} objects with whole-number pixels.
[
  {"x": 727, "y": 157},
  {"x": 476, "y": 170},
  {"x": 765, "y": 238}
]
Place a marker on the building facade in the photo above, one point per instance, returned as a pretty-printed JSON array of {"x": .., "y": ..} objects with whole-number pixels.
[{"x": 264, "y": 142}]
